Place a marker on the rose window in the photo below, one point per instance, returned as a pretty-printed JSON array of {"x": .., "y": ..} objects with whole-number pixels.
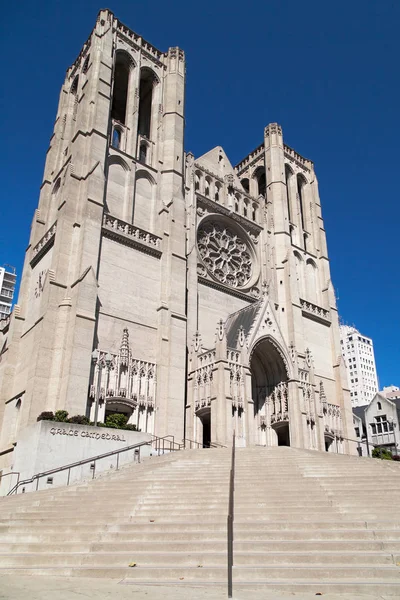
[{"x": 225, "y": 254}]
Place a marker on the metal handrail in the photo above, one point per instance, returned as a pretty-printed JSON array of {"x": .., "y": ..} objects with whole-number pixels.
[
  {"x": 363, "y": 440},
  {"x": 173, "y": 446},
  {"x": 231, "y": 511},
  {"x": 200, "y": 445},
  {"x": 197, "y": 444}
]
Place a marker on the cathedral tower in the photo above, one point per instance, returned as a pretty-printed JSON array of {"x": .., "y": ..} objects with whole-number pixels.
[{"x": 106, "y": 251}]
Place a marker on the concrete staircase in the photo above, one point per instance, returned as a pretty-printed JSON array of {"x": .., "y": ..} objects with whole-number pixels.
[{"x": 304, "y": 521}]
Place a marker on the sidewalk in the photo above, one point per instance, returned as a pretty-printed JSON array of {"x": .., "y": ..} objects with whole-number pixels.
[{"x": 13, "y": 587}]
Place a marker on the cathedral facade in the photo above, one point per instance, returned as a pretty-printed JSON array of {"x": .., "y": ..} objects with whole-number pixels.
[{"x": 189, "y": 294}]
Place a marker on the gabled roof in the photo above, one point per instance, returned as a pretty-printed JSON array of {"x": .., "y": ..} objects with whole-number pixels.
[
  {"x": 242, "y": 318},
  {"x": 217, "y": 162},
  {"x": 359, "y": 411}
]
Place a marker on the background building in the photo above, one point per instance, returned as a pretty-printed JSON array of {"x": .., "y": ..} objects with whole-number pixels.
[
  {"x": 7, "y": 287},
  {"x": 391, "y": 392},
  {"x": 379, "y": 422},
  {"x": 156, "y": 283},
  {"x": 358, "y": 353}
]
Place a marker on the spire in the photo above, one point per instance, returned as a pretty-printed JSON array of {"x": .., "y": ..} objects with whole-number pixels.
[{"x": 124, "y": 348}]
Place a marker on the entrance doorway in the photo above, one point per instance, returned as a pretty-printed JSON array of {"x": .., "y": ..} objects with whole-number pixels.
[
  {"x": 270, "y": 393},
  {"x": 283, "y": 436},
  {"x": 205, "y": 419},
  {"x": 328, "y": 443}
]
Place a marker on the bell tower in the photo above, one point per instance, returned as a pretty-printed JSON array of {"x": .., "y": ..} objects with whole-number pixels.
[{"x": 106, "y": 251}]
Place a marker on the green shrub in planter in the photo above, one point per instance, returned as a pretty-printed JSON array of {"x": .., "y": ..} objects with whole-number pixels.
[
  {"x": 46, "y": 416},
  {"x": 61, "y": 416},
  {"x": 116, "y": 421},
  {"x": 381, "y": 453},
  {"x": 131, "y": 427},
  {"x": 79, "y": 420}
]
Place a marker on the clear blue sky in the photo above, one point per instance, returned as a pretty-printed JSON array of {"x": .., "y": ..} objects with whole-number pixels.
[{"x": 327, "y": 72}]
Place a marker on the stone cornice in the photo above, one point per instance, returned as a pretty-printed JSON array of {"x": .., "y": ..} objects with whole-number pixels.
[
  {"x": 130, "y": 235},
  {"x": 226, "y": 289},
  {"x": 314, "y": 312},
  {"x": 219, "y": 208},
  {"x": 43, "y": 245},
  {"x": 250, "y": 159}
]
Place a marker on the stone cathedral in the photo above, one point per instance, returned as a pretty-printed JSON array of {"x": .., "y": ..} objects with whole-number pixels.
[{"x": 191, "y": 295}]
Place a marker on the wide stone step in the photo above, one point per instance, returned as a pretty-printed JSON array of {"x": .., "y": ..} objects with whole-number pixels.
[
  {"x": 199, "y": 559},
  {"x": 315, "y": 534},
  {"x": 256, "y": 550}
]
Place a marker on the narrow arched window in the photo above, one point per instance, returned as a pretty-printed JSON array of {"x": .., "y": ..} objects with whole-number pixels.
[
  {"x": 216, "y": 195},
  {"x": 262, "y": 185},
  {"x": 259, "y": 176},
  {"x": 116, "y": 138},
  {"x": 207, "y": 188},
  {"x": 300, "y": 193},
  {"x": 311, "y": 281},
  {"x": 56, "y": 186},
  {"x": 74, "y": 86},
  {"x": 147, "y": 82},
  {"x": 74, "y": 92},
  {"x": 143, "y": 153},
  {"x": 246, "y": 184},
  {"x": 86, "y": 64},
  {"x": 299, "y": 274},
  {"x": 245, "y": 208},
  {"x": 254, "y": 212},
  {"x": 379, "y": 404},
  {"x": 288, "y": 175},
  {"x": 120, "y": 89}
]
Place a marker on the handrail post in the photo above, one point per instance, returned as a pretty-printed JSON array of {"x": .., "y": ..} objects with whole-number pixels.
[{"x": 230, "y": 519}]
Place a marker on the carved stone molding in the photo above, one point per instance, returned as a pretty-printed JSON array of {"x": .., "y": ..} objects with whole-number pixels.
[
  {"x": 130, "y": 235},
  {"x": 43, "y": 244},
  {"x": 317, "y": 313}
]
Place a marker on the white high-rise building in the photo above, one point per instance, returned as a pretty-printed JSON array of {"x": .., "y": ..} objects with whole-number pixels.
[
  {"x": 7, "y": 286},
  {"x": 358, "y": 353}
]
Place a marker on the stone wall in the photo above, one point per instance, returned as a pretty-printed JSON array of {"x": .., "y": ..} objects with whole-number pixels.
[{"x": 47, "y": 445}]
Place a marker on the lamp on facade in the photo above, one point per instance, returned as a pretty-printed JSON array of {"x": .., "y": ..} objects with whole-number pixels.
[{"x": 393, "y": 425}]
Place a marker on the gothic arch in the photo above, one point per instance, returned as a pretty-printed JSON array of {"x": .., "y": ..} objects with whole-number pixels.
[
  {"x": 142, "y": 173},
  {"x": 123, "y": 66},
  {"x": 301, "y": 192},
  {"x": 148, "y": 101},
  {"x": 74, "y": 86},
  {"x": 143, "y": 205},
  {"x": 117, "y": 175},
  {"x": 299, "y": 270},
  {"x": 260, "y": 179},
  {"x": 312, "y": 281},
  {"x": 278, "y": 351},
  {"x": 123, "y": 57},
  {"x": 288, "y": 176},
  {"x": 118, "y": 160}
]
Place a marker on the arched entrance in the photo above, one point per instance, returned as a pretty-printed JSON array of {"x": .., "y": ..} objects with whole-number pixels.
[
  {"x": 204, "y": 423},
  {"x": 270, "y": 394}
]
